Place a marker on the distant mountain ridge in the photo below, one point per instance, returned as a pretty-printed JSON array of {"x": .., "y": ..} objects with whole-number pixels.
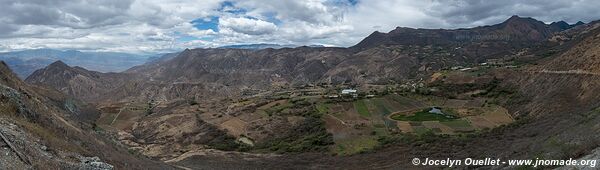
[
  {"x": 77, "y": 81},
  {"x": 264, "y": 46},
  {"x": 25, "y": 62},
  {"x": 515, "y": 30}
]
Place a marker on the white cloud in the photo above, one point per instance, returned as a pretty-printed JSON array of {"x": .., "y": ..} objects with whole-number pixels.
[
  {"x": 247, "y": 25},
  {"x": 313, "y": 11}
]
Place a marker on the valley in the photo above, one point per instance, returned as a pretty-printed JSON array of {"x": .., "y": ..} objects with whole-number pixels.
[{"x": 518, "y": 89}]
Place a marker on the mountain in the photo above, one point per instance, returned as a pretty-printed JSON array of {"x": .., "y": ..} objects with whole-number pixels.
[
  {"x": 578, "y": 24},
  {"x": 27, "y": 61},
  {"x": 161, "y": 57},
  {"x": 263, "y": 46},
  {"x": 43, "y": 129},
  {"x": 569, "y": 80},
  {"x": 198, "y": 72},
  {"x": 77, "y": 81},
  {"x": 257, "y": 46},
  {"x": 160, "y": 79},
  {"x": 515, "y": 30}
]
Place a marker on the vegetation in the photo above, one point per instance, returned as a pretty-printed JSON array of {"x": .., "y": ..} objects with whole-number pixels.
[
  {"x": 192, "y": 102},
  {"x": 322, "y": 108},
  {"x": 459, "y": 123},
  {"x": 361, "y": 107},
  {"x": 310, "y": 136},
  {"x": 277, "y": 108},
  {"x": 149, "y": 107},
  {"x": 548, "y": 53},
  {"x": 424, "y": 115},
  {"x": 379, "y": 103},
  {"x": 358, "y": 145},
  {"x": 226, "y": 143}
]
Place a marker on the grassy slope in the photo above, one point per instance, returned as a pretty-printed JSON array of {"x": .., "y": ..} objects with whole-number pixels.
[{"x": 361, "y": 107}]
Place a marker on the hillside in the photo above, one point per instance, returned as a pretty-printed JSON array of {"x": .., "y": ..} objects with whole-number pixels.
[
  {"x": 471, "y": 44},
  {"x": 44, "y": 130},
  {"x": 568, "y": 81},
  {"x": 77, "y": 81},
  {"x": 516, "y": 30}
]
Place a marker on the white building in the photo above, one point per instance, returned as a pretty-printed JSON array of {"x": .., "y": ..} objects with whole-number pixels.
[{"x": 348, "y": 91}]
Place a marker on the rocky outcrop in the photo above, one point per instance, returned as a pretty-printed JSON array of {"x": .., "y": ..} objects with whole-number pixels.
[{"x": 93, "y": 163}]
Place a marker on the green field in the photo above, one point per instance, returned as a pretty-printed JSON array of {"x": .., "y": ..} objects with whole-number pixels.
[
  {"x": 420, "y": 130},
  {"x": 423, "y": 115},
  {"x": 323, "y": 108},
  {"x": 406, "y": 103},
  {"x": 362, "y": 109},
  {"x": 380, "y": 104},
  {"x": 277, "y": 108},
  {"x": 459, "y": 123},
  {"x": 356, "y": 145}
]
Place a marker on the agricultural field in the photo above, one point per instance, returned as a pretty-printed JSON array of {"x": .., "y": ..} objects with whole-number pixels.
[
  {"x": 120, "y": 116},
  {"x": 357, "y": 125},
  {"x": 361, "y": 108},
  {"x": 423, "y": 115},
  {"x": 453, "y": 119}
]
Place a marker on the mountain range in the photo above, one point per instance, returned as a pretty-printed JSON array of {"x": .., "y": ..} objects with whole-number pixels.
[
  {"x": 378, "y": 59},
  {"x": 27, "y": 61},
  {"x": 232, "y": 108},
  {"x": 263, "y": 46}
]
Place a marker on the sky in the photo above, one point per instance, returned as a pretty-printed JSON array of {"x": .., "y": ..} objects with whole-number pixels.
[{"x": 157, "y": 26}]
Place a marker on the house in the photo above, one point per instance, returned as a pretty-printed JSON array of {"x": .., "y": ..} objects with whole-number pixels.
[
  {"x": 348, "y": 91},
  {"x": 457, "y": 67},
  {"x": 351, "y": 92},
  {"x": 497, "y": 62},
  {"x": 466, "y": 69},
  {"x": 333, "y": 96}
]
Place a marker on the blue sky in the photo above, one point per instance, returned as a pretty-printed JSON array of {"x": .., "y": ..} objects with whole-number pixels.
[
  {"x": 207, "y": 23},
  {"x": 155, "y": 26}
]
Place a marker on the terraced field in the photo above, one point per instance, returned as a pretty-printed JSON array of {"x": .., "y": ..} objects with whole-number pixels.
[
  {"x": 459, "y": 119},
  {"x": 362, "y": 109},
  {"x": 356, "y": 124},
  {"x": 120, "y": 116}
]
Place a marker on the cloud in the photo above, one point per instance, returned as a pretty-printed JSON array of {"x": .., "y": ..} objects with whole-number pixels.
[
  {"x": 168, "y": 25},
  {"x": 65, "y": 13},
  {"x": 247, "y": 26}
]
